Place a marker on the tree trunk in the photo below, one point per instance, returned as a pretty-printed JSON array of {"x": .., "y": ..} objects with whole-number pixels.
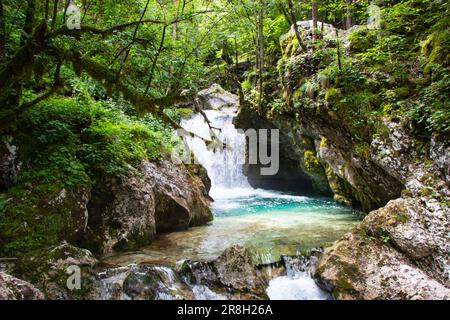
[
  {"x": 314, "y": 19},
  {"x": 47, "y": 3},
  {"x": 236, "y": 53},
  {"x": 175, "y": 25},
  {"x": 338, "y": 46},
  {"x": 155, "y": 60},
  {"x": 297, "y": 33},
  {"x": 348, "y": 15},
  {"x": 261, "y": 55},
  {"x": 29, "y": 20},
  {"x": 2, "y": 36},
  {"x": 55, "y": 13}
]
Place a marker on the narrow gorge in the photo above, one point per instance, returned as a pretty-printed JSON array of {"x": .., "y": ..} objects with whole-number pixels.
[{"x": 128, "y": 143}]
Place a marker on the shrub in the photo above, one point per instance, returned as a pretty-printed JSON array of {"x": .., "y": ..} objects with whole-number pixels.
[{"x": 362, "y": 39}]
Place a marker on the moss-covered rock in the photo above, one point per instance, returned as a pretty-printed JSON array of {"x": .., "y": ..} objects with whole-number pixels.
[
  {"x": 82, "y": 179},
  {"x": 48, "y": 269},
  {"x": 359, "y": 267},
  {"x": 362, "y": 39},
  {"x": 41, "y": 216}
]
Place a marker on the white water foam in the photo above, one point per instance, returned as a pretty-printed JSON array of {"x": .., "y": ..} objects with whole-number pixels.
[
  {"x": 301, "y": 287},
  {"x": 224, "y": 166}
]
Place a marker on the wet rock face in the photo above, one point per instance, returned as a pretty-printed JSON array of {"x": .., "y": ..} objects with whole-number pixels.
[
  {"x": 215, "y": 97},
  {"x": 291, "y": 176},
  {"x": 128, "y": 213},
  {"x": 399, "y": 251},
  {"x": 141, "y": 282},
  {"x": 231, "y": 276},
  {"x": 177, "y": 205},
  {"x": 237, "y": 271},
  {"x": 323, "y": 152},
  {"x": 12, "y": 288}
]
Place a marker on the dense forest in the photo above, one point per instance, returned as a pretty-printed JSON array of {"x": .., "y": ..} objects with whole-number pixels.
[{"x": 92, "y": 92}]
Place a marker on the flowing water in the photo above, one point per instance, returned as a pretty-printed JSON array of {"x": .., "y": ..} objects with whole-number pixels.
[{"x": 269, "y": 223}]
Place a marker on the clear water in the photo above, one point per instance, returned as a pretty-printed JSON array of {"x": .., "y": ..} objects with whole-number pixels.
[{"x": 269, "y": 223}]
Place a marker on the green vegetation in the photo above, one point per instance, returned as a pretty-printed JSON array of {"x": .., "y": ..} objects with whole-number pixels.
[
  {"x": 71, "y": 144},
  {"x": 399, "y": 70},
  {"x": 89, "y": 103}
]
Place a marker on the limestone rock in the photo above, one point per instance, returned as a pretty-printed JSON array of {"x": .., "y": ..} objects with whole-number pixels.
[
  {"x": 232, "y": 275},
  {"x": 418, "y": 228},
  {"x": 215, "y": 97},
  {"x": 359, "y": 267},
  {"x": 50, "y": 269},
  {"x": 440, "y": 153},
  {"x": 236, "y": 270},
  {"x": 12, "y": 288},
  {"x": 178, "y": 205},
  {"x": 129, "y": 212},
  {"x": 140, "y": 282}
]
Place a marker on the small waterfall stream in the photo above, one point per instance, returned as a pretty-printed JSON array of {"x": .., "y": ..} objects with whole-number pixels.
[
  {"x": 224, "y": 166},
  {"x": 228, "y": 182},
  {"x": 270, "y": 224}
]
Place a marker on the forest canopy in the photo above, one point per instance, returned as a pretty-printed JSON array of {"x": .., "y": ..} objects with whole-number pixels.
[{"x": 148, "y": 51}]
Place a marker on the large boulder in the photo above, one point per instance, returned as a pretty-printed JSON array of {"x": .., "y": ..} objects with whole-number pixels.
[
  {"x": 42, "y": 215},
  {"x": 359, "y": 267},
  {"x": 177, "y": 205},
  {"x": 215, "y": 97},
  {"x": 398, "y": 252},
  {"x": 141, "y": 282},
  {"x": 12, "y": 288},
  {"x": 127, "y": 213},
  {"x": 232, "y": 275},
  {"x": 50, "y": 270},
  {"x": 236, "y": 270},
  {"x": 121, "y": 215}
]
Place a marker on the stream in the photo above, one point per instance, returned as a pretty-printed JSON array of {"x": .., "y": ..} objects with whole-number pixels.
[{"x": 269, "y": 223}]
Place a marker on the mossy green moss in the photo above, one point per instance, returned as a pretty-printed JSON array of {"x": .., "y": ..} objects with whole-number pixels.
[
  {"x": 311, "y": 162},
  {"x": 38, "y": 217},
  {"x": 436, "y": 48},
  {"x": 362, "y": 150},
  {"x": 362, "y": 39}
]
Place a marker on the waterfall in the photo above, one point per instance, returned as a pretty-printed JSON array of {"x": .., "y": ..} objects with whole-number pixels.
[
  {"x": 297, "y": 284},
  {"x": 224, "y": 166}
]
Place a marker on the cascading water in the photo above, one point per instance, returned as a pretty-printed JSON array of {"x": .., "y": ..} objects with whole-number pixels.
[
  {"x": 269, "y": 223},
  {"x": 232, "y": 190},
  {"x": 297, "y": 284},
  {"x": 224, "y": 166}
]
